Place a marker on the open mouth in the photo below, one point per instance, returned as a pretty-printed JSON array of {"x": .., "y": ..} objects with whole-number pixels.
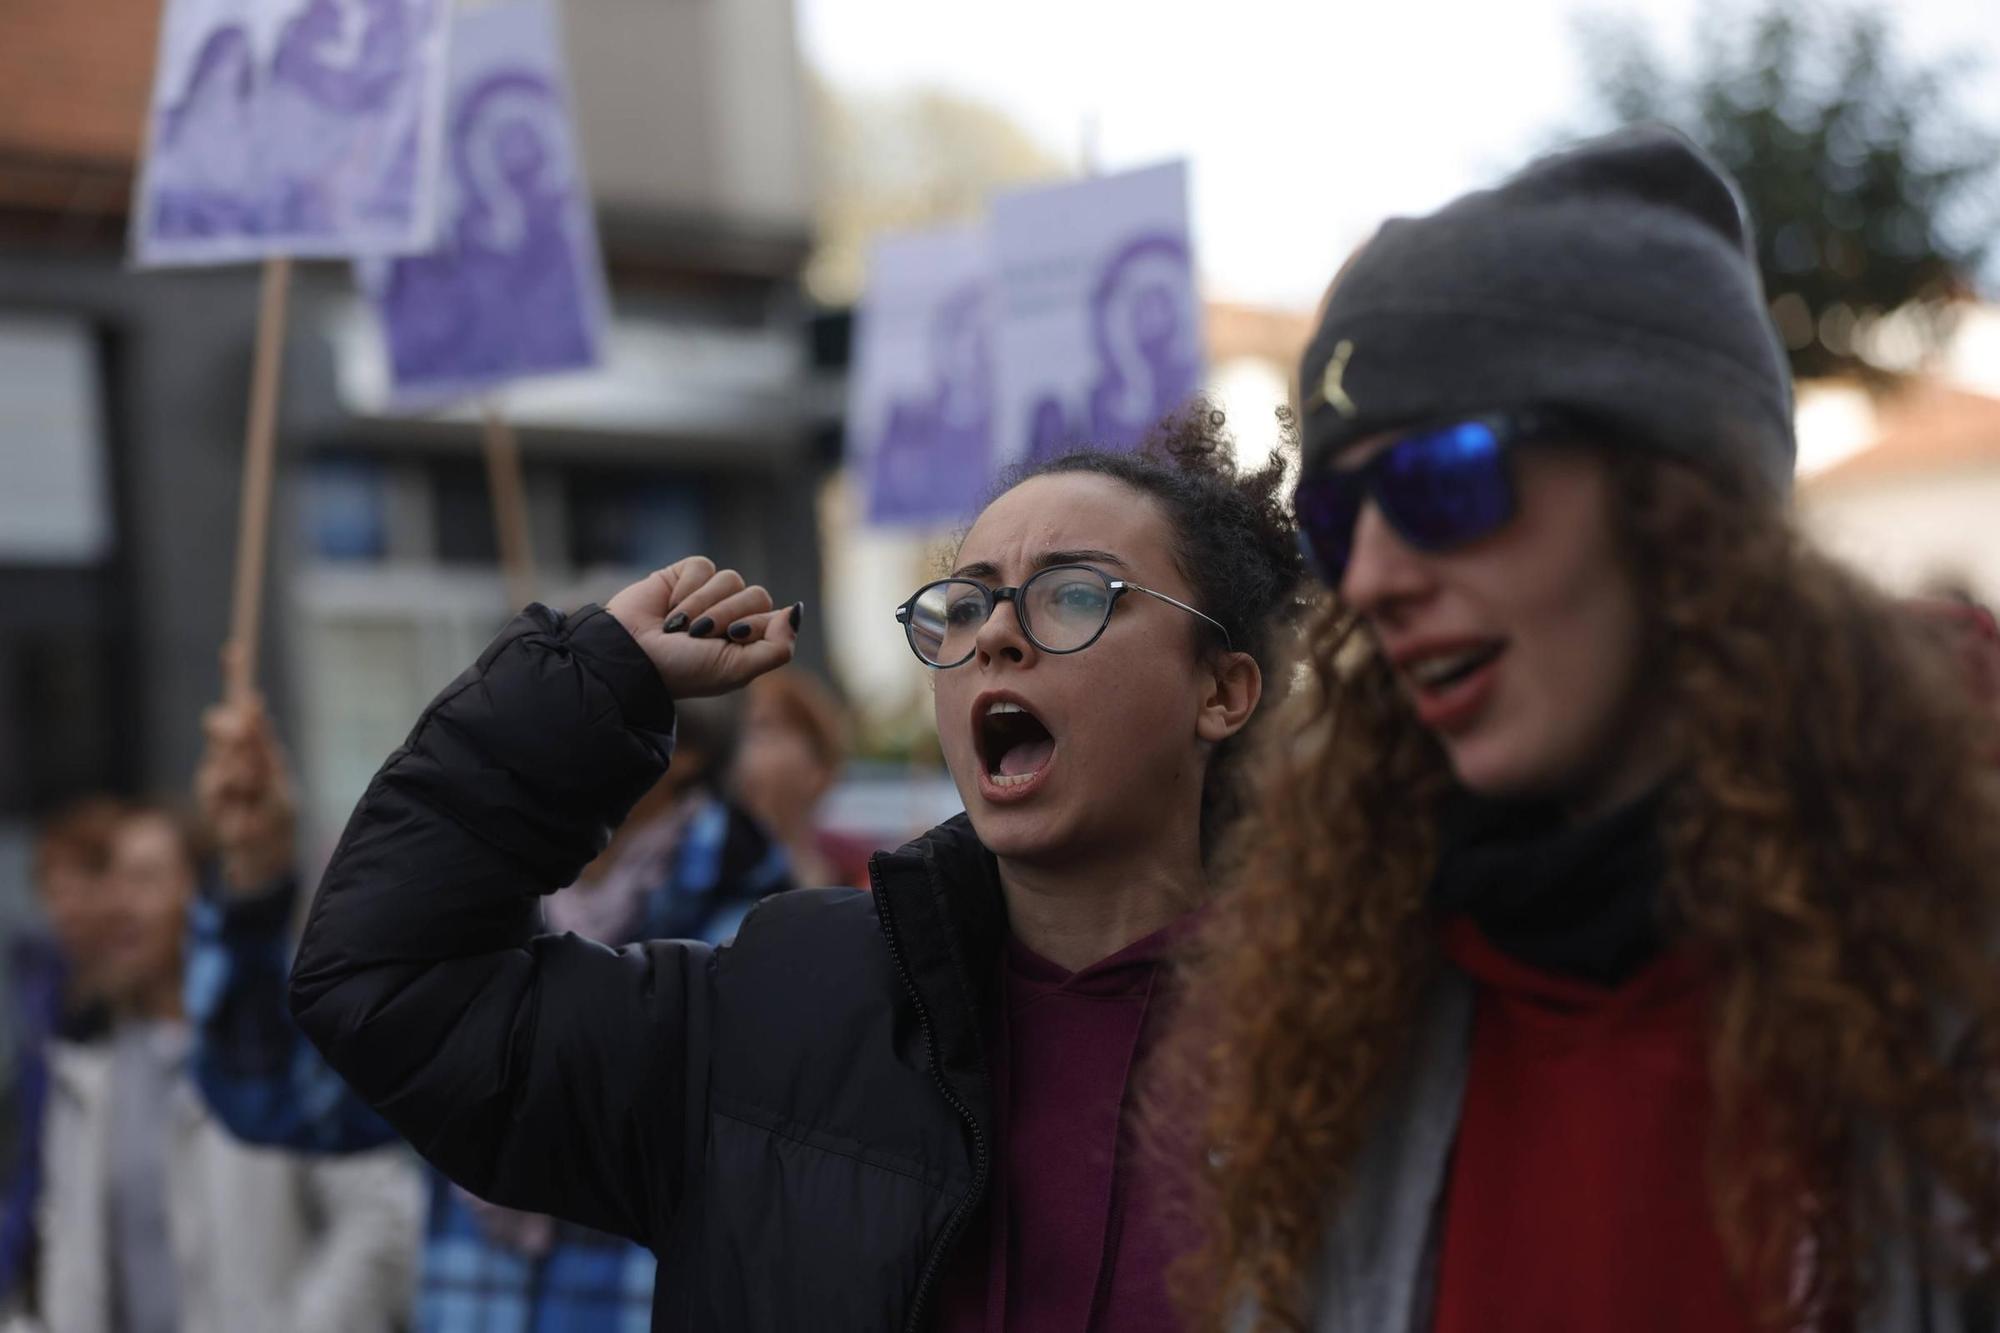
[
  {"x": 1441, "y": 672},
  {"x": 1014, "y": 745}
]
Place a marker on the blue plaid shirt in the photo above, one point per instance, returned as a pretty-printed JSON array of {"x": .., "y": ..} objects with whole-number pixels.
[
  {"x": 267, "y": 1084},
  {"x": 587, "y": 1282},
  {"x": 261, "y": 1078}
]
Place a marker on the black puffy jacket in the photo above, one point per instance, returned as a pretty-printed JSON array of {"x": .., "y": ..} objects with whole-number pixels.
[{"x": 797, "y": 1124}]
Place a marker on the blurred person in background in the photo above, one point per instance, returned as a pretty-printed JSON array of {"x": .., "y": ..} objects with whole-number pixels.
[
  {"x": 1612, "y": 940},
  {"x": 266, "y": 1085},
  {"x": 686, "y": 863},
  {"x": 153, "y": 1217},
  {"x": 72, "y": 857},
  {"x": 795, "y": 744},
  {"x": 689, "y": 862},
  {"x": 905, "y": 1109},
  {"x": 55, "y": 993}
]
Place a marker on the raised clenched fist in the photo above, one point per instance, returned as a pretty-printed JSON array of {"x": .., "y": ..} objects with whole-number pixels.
[{"x": 704, "y": 630}]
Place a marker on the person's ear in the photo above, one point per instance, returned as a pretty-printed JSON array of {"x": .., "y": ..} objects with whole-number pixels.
[{"x": 1234, "y": 691}]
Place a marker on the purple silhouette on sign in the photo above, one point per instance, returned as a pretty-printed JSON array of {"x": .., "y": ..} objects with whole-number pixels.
[
  {"x": 1050, "y": 434},
  {"x": 211, "y": 132},
  {"x": 1148, "y": 355},
  {"x": 320, "y": 147},
  {"x": 935, "y": 453},
  {"x": 1101, "y": 331},
  {"x": 516, "y": 288},
  {"x": 342, "y": 62},
  {"x": 1148, "y": 358}
]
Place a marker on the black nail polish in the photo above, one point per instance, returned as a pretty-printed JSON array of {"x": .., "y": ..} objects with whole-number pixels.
[
  {"x": 702, "y": 628},
  {"x": 740, "y": 630},
  {"x": 676, "y": 622},
  {"x": 798, "y": 613}
]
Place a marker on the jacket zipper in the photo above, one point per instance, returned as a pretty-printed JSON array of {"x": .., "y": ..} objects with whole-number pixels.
[{"x": 981, "y": 1166}]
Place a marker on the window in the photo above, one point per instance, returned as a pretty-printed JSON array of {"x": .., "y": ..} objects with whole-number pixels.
[
  {"x": 53, "y": 507},
  {"x": 462, "y": 513},
  {"x": 347, "y": 508},
  {"x": 633, "y": 521}
]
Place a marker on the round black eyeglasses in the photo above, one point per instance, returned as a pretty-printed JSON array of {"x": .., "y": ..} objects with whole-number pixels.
[{"x": 1062, "y": 609}]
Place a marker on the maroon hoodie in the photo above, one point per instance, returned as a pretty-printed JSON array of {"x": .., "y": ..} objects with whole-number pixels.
[{"x": 1078, "y": 1233}]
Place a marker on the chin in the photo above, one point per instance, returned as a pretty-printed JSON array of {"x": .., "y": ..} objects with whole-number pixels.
[
  {"x": 1485, "y": 767},
  {"x": 1018, "y": 835}
]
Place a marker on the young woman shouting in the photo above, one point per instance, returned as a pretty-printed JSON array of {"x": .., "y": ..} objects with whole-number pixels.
[
  {"x": 898, "y": 1110},
  {"x": 1614, "y": 941}
]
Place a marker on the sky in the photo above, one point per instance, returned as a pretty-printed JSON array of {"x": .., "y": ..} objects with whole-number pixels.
[{"x": 1304, "y": 121}]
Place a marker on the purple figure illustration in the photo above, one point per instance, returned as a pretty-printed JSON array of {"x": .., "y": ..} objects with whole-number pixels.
[
  {"x": 349, "y": 56},
  {"x": 313, "y": 144},
  {"x": 1049, "y": 432},
  {"x": 935, "y": 453},
  {"x": 508, "y": 293},
  {"x": 204, "y": 151},
  {"x": 341, "y": 113},
  {"x": 1147, "y": 337}
]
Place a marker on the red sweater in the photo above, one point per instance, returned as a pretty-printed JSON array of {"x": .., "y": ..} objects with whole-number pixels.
[{"x": 1579, "y": 1197}]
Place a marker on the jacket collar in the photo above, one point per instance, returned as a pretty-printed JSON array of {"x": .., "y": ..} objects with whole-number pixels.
[{"x": 939, "y": 898}]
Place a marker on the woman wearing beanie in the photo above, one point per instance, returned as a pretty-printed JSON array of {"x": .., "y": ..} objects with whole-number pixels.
[
  {"x": 1613, "y": 941},
  {"x": 904, "y": 1110}
]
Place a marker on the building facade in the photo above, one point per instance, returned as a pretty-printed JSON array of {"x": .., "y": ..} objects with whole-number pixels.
[
  {"x": 1915, "y": 507},
  {"x": 123, "y": 399}
]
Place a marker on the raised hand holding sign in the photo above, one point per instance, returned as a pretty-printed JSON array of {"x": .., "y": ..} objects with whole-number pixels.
[{"x": 244, "y": 794}]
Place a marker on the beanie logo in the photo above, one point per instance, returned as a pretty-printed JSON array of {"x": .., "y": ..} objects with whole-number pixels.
[{"x": 1331, "y": 392}]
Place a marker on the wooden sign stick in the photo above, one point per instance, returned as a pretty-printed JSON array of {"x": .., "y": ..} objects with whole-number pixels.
[
  {"x": 254, "y": 511},
  {"x": 510, "y": 506}
]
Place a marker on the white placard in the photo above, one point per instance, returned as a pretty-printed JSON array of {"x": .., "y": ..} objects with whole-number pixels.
[
  {"x": 1100, "y": 328},
  {"x": 921, "y": 412},
  {"x": 515, "y": 287},
  {"x": 292, "y": 127}
]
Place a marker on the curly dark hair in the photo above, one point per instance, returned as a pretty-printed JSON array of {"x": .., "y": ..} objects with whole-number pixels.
[
  {"x": 1234, "y": 543},
  {"x": 1834, "y": 851}
]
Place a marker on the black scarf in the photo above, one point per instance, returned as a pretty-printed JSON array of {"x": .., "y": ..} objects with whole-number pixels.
[{"x": 1584, "y": 900}]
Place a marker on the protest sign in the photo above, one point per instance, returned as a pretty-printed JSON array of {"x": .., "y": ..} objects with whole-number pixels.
[
  {"x": 921, "y": 410},
  {"x": 291, "y": 127},
  {"x": 1100, "y": 329},
  {"x": 515, "y": 285}
]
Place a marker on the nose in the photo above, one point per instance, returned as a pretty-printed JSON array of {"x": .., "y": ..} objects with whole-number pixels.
[
  {"x": 1384, "y": 573},
  {"x": 1002, "y": 636}
]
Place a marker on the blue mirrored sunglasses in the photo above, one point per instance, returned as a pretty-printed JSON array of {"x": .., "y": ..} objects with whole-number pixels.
[{"x": 1438, "y": 486}]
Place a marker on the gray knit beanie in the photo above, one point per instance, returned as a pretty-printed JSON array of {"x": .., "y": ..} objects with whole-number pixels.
[{"x": 1614, "y": 279}]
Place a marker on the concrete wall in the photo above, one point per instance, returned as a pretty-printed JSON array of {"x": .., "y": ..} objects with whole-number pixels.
[{"x": 693, "y": 107}]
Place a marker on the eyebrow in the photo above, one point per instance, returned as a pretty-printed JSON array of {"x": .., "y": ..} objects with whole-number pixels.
[{"x": 985, "y": 570}]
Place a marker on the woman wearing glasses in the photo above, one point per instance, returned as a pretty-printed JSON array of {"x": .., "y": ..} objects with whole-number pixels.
[
  {"x": 1613, "y": 948},
  {"x": 901, "y": 1110}
]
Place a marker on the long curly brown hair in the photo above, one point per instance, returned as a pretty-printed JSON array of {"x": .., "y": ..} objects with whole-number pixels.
[{"x": 1834, "y": 848}]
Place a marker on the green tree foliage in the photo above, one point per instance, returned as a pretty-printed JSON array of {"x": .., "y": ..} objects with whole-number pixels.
[{"x": 1872, "y": 196}]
